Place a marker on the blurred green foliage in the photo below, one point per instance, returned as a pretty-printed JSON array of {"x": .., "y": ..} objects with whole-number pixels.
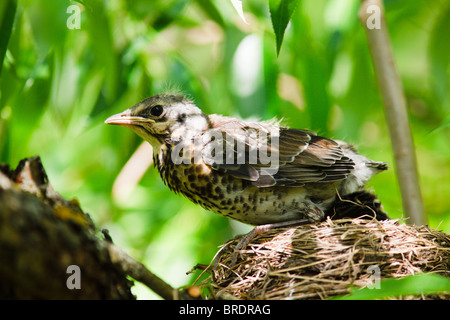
[
  {"x": 418, "y": 285},
  {"x": 62, "y": 77}
]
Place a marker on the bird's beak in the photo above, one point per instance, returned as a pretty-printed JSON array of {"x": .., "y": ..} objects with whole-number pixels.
[{"x": 126, "y": 119}]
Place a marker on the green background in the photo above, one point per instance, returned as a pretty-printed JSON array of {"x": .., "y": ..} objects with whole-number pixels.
[{"x": 58, "y": 84}]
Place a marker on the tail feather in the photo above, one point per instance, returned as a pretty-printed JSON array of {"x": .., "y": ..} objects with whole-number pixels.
[{"x": 377, "y": 165}]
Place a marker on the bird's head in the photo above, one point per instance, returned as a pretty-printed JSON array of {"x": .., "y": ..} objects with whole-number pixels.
[{"x": 161, "y": 118}]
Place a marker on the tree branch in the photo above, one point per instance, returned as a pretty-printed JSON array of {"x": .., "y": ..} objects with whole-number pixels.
[
  {"x": 395, "y": 109},
  {"x": 44, "y": 237},
  {"x": 139, "y": 272}
]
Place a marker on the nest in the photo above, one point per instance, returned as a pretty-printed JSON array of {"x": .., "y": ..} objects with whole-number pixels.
[{"x": 323, "y": 260}]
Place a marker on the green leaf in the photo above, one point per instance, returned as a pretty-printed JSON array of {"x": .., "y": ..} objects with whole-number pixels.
[
  {"x": 281, "y": 12},
  {"x": 101, "y": 37},
  {"x": 237, "y": 4},
  {"x": 211, "y": 10},
  {"x": 7, "y": 14},
  {"x": 412, "y": 285},
  {"x": 439, "y": 56}
]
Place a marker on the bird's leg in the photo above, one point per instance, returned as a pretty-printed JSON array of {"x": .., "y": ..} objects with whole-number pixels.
[{"x": 260, "y": 230}]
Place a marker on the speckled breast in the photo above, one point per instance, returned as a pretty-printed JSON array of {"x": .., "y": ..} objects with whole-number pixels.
[{"x": 232, "y": 197}]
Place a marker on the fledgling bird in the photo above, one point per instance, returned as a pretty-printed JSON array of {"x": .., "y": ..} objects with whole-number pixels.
[{"x": 258, "y": 173}]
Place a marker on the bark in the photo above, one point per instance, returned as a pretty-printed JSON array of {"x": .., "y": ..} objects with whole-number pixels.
[{"x": 44, "y": 239}]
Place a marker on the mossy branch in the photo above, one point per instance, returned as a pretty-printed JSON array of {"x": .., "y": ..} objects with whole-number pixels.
[{"x": 43, "y": 236}]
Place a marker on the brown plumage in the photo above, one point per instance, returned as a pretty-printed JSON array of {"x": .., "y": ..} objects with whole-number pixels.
[{"x": 254, "y": 172}]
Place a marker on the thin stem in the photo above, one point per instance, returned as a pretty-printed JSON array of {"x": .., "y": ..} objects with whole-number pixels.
[{"x": 372, "y": 17}]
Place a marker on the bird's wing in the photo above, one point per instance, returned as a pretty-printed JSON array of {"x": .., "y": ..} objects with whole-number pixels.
[{"x": 269, "y": 155}]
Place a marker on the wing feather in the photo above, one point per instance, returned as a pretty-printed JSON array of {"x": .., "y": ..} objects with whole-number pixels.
[{"x": 296, "y": 157}]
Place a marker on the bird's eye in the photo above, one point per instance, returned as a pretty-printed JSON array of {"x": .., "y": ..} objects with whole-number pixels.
[{"x": 156, "y": 111}]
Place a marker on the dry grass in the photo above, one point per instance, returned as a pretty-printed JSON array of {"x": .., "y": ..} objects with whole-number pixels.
[{"x": 319, "y": 261}]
